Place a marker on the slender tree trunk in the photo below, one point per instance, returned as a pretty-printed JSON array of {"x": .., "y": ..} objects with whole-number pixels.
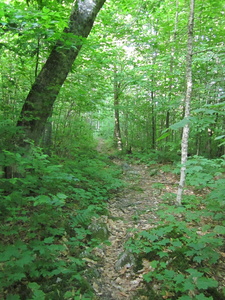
[
  {"x": 152, "y": 118},
  {"x": 37, "y": 57},
  {"x": 126, "y": 132},
  {"x": 173, "y": 39},
  {"x": 117, "y": 131},
  {"x": 39, "y": 102},
  {"x": 153, "y": 121},
  {"x": 185, "y": 135}
]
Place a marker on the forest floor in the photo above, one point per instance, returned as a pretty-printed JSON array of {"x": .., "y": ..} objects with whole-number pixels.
[
  {"x": 130, "y": 211},
  {"x": 135, "y": 209}
]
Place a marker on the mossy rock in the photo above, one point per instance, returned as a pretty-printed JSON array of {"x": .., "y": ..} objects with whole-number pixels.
[
  {"x": 125, "y": 258},
  {"x": 99, "y": 231},
  {"x": 153, "y": 172}
]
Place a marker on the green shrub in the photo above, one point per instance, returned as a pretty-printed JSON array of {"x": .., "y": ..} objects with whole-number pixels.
[
  {"x": 201, "y": 172},
  {"x": 46, "y": 209},
  {"x": 180, "y": 255},
  {"x": 153, "y": 157}
]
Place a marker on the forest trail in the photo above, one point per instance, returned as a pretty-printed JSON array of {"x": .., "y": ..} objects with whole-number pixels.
[{"x": 130, "y": 211}]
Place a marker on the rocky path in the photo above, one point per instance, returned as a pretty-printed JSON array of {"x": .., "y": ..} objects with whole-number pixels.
[{"x": 132, "y": 210}]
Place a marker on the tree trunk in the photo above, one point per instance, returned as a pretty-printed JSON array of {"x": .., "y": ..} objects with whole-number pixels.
[
  {"x": 153, "y": 121},
  {"x": 39, "y": 102},
  {"x": 172, "y": 59},
  {"x": 185, "y": 135},
  {"x": 117, "y": 131}
]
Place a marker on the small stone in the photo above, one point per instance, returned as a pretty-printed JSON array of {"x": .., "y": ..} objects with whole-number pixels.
[
  {"x": 126, "y": 258},
  {"x": 99, "y": 231},
  {"x": 153, "y": 172}
]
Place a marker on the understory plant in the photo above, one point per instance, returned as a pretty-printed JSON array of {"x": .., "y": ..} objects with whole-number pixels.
[
  {"x": 179, "y": 256},
  {"x": 46, "y": 210},
  {"x": 152, "y": 157},
  {"x": 202, "y": 172}
]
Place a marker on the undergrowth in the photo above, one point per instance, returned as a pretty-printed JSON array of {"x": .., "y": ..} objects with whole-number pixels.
[
  {"x": 182, "y": 255},
  {"x": 152, "y": 157},
  {"x": 46, "y": 209}
]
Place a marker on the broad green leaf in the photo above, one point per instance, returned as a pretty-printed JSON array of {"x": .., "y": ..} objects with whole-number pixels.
[
  {"x": 13, "y": 297},
  {"x": 203, "y": 297},
  {"x": 188, "y": 285},
  {"x": 219, "y": 229},
  {"x": 219, "y": 137},
  {"x": 180, "y": 124},
  {"x": 49, "y": 240},
  {"x": 42, "y": 199},
  {"x": 38, "y": 294},
  {"x": 163, "y": 136},
  {"x": 205, "y": 283}
]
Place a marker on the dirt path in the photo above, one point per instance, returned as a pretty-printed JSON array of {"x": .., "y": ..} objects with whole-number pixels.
[{"x": 135, "y": 209}]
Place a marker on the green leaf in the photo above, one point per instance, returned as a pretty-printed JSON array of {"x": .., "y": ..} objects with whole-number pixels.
[
  {"x": 202, "y": 297},
  {"x": 188, "y": 286},
  {"x": 148, "y": 277},
  {"x": 154, "y": 264},
  {"x": 177, "y": 243},
  {"x": 184, "y": 298},
  {"x": 194, "y": 273},
  {"x": 205, "y": 283},
  {"x": 180, "y": 124},
  {"x": 179, "y": 278},
  {"x": 25, "y": 260},
  {"x": 61, "y": 196},
  {"x": 163, "y": 136},
  {"x": 13, "y": 297},
  {"x": 169, "y": 274},
  {"x": 198, "y": 259},
  {"x": 219, "y": 229},
  {"x": 42, "y": 199},
  {"x": 38, "y": 294},
  {"x": 149, "y": 236},
  {"x": 49, "y": 240},
  {"x": 219, "y": 137},
  {"x": 205, "y": 110}
]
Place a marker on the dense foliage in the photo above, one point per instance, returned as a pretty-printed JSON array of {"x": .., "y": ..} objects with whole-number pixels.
[
  {"x": 45, "y": 218},
  {"x": 181, "y": 262},
  {"x": 132, "y": 64},
  {"x": 181, "y": 255},
  {"x": 146, "y": 43}
]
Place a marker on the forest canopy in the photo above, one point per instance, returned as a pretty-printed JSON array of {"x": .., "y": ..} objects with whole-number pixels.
[{"x": 137, "y": 54}]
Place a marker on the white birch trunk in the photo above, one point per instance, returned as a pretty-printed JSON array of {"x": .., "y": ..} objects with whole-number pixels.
[{"x": 185, "y": 135}]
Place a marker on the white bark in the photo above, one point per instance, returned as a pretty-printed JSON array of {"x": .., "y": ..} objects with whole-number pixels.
[{"x": 185, "y": 135}]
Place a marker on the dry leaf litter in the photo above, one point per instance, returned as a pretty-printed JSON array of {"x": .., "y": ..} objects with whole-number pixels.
[{"x": 130, "y": 211}]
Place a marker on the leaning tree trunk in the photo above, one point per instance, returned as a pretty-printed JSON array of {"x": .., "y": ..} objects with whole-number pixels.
[
  {"x": 39, "y": 102},
  {"x": 185, "y": 135}
]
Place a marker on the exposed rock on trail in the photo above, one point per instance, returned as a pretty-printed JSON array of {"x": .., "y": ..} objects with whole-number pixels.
[{"x": 131, "y": 211}]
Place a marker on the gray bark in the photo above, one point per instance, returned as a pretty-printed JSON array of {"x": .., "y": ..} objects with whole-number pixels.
[{"x": 39, "y": 102}]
